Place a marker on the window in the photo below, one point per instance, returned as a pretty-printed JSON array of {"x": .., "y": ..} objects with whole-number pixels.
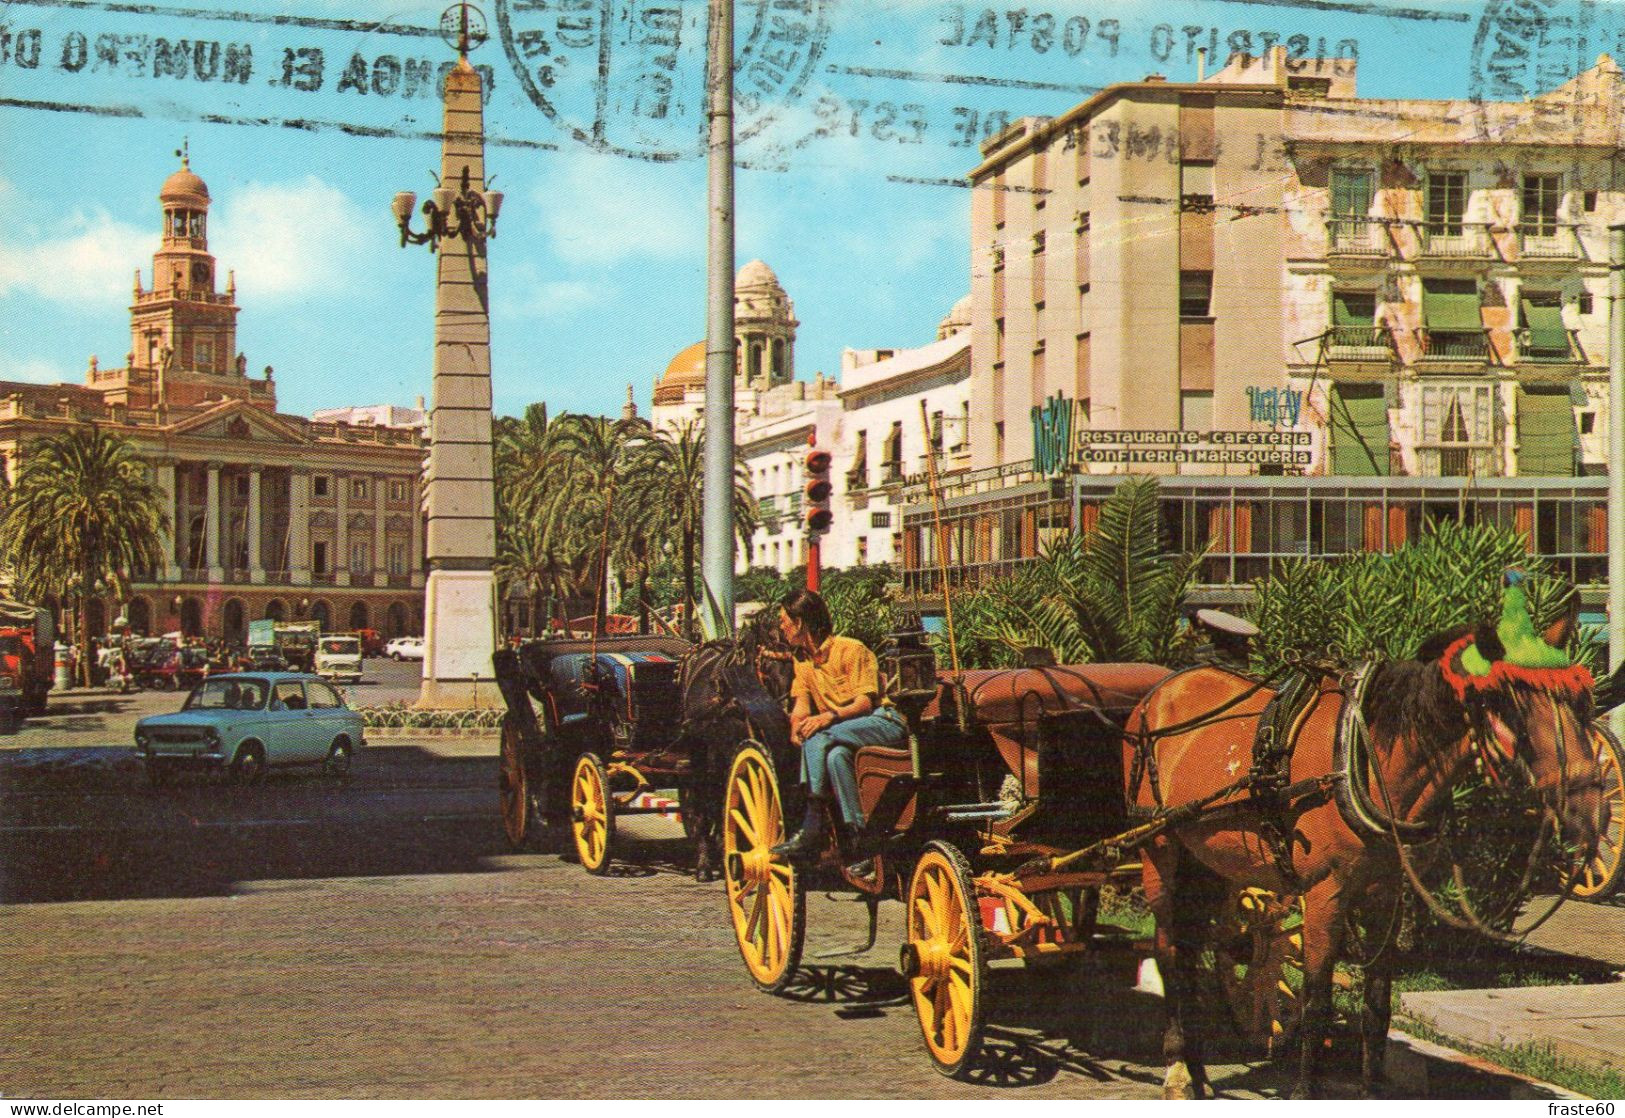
[
  {"x": 203, "y": 356},
  {"x": 1038, "y": 243},
  {"x": 1588, "y": 422},
  {"x": 318, "y": 556},
  {"x": 320, "y": 486},
  {"x": 891, "y": 463},
  {"x": 397, "y": 558},
  {"x": 358, "y": 489},
  {"x": 1196, "y": 187},
  {"x": 1446, "y": 203},
  {"x": 1195, "y": 294},
  {"x": 880, "y": 520},
  {"x": 1453, "y": 324},
  {"x": 322, "y": 696},
  {"x": 998, "y": 258},
  {"x": 936, "y": 431},
  {"x": 1456, "y": 430},
  {"x": 1541, "y": 194},
  {"x": 1350, "y": 207},
  {"x": 964, "y": 426},
  {"x": 1542, "y": 336},
  {"x": 1590, "y": 201},
  {"x": 1354, "y": 314},
  {"x": 360, "y": 557},
  {"x": 397, "y": 490},
  {"x": 289, "y": 695},
  {"x": 998, "y": 339},
  {"x": 998, "y": 441},
  {"x": 1083, "y": 221},
  {"x": 1583, "y": 303},
  {"x": 863, "y": 546}
]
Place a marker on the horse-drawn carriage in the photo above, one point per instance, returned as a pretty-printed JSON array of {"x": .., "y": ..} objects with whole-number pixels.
[{"x": 1023, "y": 792}]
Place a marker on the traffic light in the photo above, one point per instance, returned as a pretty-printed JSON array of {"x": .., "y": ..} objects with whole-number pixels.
[{"x": 817, "y": 491}]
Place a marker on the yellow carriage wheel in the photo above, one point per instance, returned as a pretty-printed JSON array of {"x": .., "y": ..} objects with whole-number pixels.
[
  {"x": 513, "y": 787},
  {"x": 1600, "y": 877},
  {"x": 592, "y": 813},
  {"x": 767, "y": 896},
  {"x": 1258, "y": 960},
  {"x": 943, "y": 958}
]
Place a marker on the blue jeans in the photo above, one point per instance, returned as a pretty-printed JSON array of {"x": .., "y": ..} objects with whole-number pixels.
[{"x": 826, "y": 757}]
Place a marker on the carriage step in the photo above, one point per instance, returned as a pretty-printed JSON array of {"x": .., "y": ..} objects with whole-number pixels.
[{"x": 972, "y": 816}]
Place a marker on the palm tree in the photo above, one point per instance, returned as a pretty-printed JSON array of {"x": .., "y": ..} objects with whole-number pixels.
[
  {"x": 680, "y": 468},
  {"x": 1113, "y": 594},
  {"x": 81, "y": 512}
]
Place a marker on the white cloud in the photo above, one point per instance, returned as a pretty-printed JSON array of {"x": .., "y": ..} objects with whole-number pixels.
[
  {"x": 37, "y": 370},
  {"x": 602, "y": 209},
  {"x": 88, "y": 258},
  {"x": 296, "y": 240}
]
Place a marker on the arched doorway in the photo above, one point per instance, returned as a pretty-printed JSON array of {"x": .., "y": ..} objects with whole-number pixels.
[
  {"x": 140, "y": 616},
  {"x": 323, "y": 613},
  {"x": 358, "y": 616},
  {"x": 191, "y": 618},
  {"x": 275, "y": 610},
  {"x": 234, "y": 625},
  {"x": 395, "y": 621}
]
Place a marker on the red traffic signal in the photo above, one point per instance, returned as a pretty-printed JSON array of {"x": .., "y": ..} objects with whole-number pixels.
[{"x": 817, "y": 490}]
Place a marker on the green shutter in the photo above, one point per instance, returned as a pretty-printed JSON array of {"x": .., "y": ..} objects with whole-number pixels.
[
  {"x": 1451, "y": 310},
  {"x": 1546, "y": 330},
  {"x": 1342, "y": 313},
  {"x": 1359, "y": 430},
  {"x": 1546, "y": 434},
  {"x": 1351, "y": 193}
]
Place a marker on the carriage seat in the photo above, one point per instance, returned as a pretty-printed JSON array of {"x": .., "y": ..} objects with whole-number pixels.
[{"x": 876, "y": 766}]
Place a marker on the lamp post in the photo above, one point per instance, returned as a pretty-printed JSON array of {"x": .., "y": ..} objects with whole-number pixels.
[{"x": 459, "y": 494}]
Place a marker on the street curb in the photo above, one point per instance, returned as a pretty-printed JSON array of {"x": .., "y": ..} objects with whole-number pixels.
[
  {"x": 1420, "y": 1069},
  {"x": 408, "y": 733}
]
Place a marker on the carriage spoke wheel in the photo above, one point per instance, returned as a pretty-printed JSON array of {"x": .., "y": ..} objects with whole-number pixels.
[
  {"x": 943, "y": 959},
  {"x": 767, "y": 897},
  {"x": 513, "y": 787},
  {"x": 592, "y": 813},
  {"x": 1258, "y": 960},
  {"x": 1600, "y": 877}
]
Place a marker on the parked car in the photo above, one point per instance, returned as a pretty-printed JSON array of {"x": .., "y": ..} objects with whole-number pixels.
[
  {"x": 405, "y": 648},
  {"x": 372, "y": 641},
  {"x": 339, "y": 657},
  {"x": 166, "y": 668},
  {"x": 245, "y": 723}
]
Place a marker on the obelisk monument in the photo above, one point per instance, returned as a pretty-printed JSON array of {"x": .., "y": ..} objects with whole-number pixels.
[{"x": 459, "y": 490}]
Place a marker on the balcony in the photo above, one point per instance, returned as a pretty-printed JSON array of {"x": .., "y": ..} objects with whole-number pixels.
[
  {"x": 1455, "y": 241},
  {"x": 1360, "y": 343},
  {"x": 1545, "y": 240},
  {"x": 1460, "y": 346},
  {"x": 1543, "y": 347},
  {"x": 1356, "y": 236},
  {"x": 1456, "y": 460}
]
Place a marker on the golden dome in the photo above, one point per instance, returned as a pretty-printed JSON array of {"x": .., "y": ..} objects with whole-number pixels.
[
  {"x": 686, "y": 370},
  {"x": 185, "y": 187}
]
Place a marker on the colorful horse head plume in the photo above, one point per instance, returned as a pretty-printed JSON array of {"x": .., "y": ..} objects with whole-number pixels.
[{"x": 1514, "y": 652}]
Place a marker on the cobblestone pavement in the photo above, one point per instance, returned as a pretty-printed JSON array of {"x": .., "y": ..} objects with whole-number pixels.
[{"x": 316, "y": 938}]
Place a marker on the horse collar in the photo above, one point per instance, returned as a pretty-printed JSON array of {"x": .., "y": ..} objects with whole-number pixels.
[{"x": 1351, "y": 753}]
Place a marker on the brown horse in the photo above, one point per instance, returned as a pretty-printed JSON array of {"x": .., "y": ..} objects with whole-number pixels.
[{"x": 1194, "y": 736}]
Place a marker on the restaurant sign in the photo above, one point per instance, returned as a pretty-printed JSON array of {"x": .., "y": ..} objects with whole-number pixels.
[{"x": 1286, "y": 449}]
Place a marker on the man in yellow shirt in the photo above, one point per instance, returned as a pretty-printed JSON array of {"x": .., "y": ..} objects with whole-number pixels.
[{"x": 838, "y": 708}]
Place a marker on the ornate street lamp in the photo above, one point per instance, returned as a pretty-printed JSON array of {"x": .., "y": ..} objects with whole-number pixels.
[{"x": 469, "y": 214}]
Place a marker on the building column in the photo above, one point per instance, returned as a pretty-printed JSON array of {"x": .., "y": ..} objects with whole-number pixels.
[
  {"x": 414, "y": 553},
  {"x": 299, "y": 526},
  {"x": 211, "y": 523},
  {"x": 256, "y": 561},
  {"x": 164, "y": 475},
  {"x": 380, "y": 564},
  {"x": 341, "y": 538}
]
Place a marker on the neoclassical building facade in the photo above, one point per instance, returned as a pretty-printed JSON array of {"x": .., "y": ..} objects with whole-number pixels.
[{"x": 272, "y": 515}]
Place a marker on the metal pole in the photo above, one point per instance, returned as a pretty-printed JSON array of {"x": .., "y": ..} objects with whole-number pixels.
[
  {"x": 1616, "y": 445},
  {"x": 717, "y": 544}
]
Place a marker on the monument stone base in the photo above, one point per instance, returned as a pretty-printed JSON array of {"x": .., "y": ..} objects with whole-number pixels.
[{"x": 459, "y": 637}]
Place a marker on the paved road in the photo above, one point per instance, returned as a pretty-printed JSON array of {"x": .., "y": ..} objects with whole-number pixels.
[{"x": 316, "y": 938}]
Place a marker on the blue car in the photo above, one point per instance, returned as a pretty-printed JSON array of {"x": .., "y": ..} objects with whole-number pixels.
[{"x": 248, "y": 721}]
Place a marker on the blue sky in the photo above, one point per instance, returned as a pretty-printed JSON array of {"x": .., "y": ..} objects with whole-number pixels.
[{"x": 857, "y": 112}]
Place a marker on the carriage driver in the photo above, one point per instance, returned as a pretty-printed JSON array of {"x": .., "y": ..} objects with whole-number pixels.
[{"x": 838, "y": 708}]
